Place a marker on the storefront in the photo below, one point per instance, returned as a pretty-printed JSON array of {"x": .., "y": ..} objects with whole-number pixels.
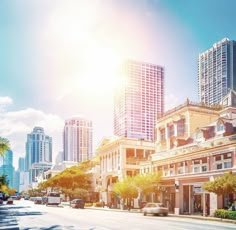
[
  {"x": 195, "y": 200},
  {"x": 166, "y": 195}
]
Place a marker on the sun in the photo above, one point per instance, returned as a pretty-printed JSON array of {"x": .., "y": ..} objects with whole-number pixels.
[
  {"x": 87, "y": 59},
  {"x": 101, "y": 71}
]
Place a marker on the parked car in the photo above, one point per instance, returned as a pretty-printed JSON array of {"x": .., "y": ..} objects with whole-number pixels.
[
  {"x": 77, "y": 203},
  {"x": 18, "y": 197},
  {"x": 26, "y": 197},
  {"x": 9, "y": 201},
  {"x": 155, "y": 209},
  {"x": 32, "y": 198},
  {"x": 38, "y": 200}
]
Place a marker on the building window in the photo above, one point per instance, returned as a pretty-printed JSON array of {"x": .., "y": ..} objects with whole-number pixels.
[
  {"x": 219, "y": 166},
  {"x": 171, "y": 131},
  {"x": 220, "y": 127},
  {"x": 172, "y": 170},
  {"x": 223, "y": 161},
  {"x": 200, "y": 165},
  {"x": 181, "y": 127},
  {"x": 227, "y": 164},
  {"x": 204, "y": 168},
  {"x": 180, "y": 170},
  {"x": 162, "y": 134},
  {"x": 196, "y": 168}
]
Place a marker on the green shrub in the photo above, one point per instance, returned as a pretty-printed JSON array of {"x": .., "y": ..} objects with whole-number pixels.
[{"x": 225, "y": 214}]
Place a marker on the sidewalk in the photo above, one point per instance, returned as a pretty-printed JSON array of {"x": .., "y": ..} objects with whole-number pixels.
[{"x": 199, "y": 217}]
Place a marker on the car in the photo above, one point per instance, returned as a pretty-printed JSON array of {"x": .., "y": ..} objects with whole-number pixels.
[
  {"x": 32, "y": 198},
  {"x": 18, "y": 197},
  {"x": 26, "y": 197},
  {"x": 155, "y": 209},
  {"x": 77, "y": 203},
  {"x": 9, "y": 201},
  {"x": 38, "y": 200}
]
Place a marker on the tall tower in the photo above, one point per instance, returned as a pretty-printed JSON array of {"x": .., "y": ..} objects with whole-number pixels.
[
  {"x": 217, "y": 71},
  {"x": 38, "y": 152},
  {"x": 78, "y": 139},
  {"x": 6, "y": 167},
  {"x": 139, "y": 100}
]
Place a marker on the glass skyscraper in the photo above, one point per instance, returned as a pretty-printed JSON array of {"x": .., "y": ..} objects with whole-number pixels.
[
  {"x": 6, "y": 167},
  {"x": 38, "y": 151},
  {"x": 139, "y": 100},
  {"x": 217, "y": 71},
  {"x": 78, "y": 139}
]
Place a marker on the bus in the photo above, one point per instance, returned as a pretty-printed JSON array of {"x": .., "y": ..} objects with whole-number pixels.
[{"x": 53, "y": 198}]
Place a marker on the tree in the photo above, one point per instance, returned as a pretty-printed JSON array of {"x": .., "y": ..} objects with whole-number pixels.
[
  {"x": 147, "y": 183},
  {"x": 222, "y": 184},
  {"x": 73, "y": 193},
  {"x": 89, "y": 164},
  {"x": 72, "y": 181},
  {"x": 126, "y": 189},
  {"x": 3, "y": 181},
  {"x": 11, "y": 191},
  {"x": 4, "y": 145},
  {"x": 132, "y": 187}
]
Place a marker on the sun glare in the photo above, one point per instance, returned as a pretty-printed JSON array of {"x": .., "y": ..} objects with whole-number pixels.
[
  {"x": 89, "y": 59},
  {"x": 101, "y": 70}
]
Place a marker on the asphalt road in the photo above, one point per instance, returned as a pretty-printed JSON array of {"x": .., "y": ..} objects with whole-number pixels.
[{"x": 24, "y": 215}]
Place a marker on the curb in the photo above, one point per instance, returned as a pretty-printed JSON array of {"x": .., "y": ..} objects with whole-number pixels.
[{"x": 209, "y": 218}]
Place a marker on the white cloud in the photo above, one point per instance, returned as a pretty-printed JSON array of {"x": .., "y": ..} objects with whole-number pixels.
[
  {"x": 4, "y": 101},
  {"x": 16, "y": 125}
]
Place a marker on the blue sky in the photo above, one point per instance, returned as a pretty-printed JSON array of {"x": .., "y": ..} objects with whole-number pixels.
[{"x": 53, "y": 56}]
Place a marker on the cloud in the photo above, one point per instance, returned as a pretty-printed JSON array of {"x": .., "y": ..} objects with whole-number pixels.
[
  {"x": 5, "y": 101},
  {"x": 15, "y": 126}
]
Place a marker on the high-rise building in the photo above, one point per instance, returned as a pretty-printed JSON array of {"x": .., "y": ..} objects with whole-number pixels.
[
  {"x": 77, "y": 139},
  {"x": 18, "y": 182},
  {"x": 21, "y": 164},
  {"x": 6, "y": 167},
  {"x": 217, "y": 71},
  {"x": 139, "y": 100},
  {"x": 38, "y": 151}
]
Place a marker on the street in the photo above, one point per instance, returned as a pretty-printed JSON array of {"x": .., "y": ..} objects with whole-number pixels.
[{"x": 26, "y": 215}]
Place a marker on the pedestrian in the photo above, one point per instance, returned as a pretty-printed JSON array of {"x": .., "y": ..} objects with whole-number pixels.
[{"x": 233, "y": 207}]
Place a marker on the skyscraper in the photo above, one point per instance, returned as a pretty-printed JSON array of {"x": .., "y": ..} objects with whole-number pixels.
[
  {"x": 18, "y": 182},
  {"x": 217, "y": 71},
  {"x": 78, "y": 139},
  {"x": 38, "y": 150},
  {"x": 21, "y": 164},
  {"x": 139, "y": 100},
  {"x": 6, "y": 167}
]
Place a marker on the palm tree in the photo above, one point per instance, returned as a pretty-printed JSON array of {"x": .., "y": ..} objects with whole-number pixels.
[{"x": 4, "y": 145}]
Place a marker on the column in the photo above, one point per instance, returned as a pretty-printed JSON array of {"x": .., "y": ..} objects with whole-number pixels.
[
  {"x": 175, "y": 130},
  {"x": 234, "y": 158},
  {"x": 204, "y": 203},
  {"x": 177, "y": 198},
  {"x": 213, "y": 203}
]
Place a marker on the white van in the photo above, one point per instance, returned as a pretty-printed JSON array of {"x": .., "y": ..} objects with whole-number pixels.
[{"x": 53, "y": 198}]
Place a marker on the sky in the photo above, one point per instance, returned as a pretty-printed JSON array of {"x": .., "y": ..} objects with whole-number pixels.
[{"x": 59, "y": 58}]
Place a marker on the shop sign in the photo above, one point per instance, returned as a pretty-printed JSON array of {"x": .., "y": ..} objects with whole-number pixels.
[{"x": 197, "y": 189}]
